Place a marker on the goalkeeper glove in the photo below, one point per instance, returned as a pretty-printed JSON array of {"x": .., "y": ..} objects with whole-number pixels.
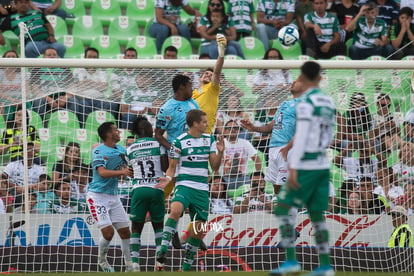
[{"x": 221, "y": 44}]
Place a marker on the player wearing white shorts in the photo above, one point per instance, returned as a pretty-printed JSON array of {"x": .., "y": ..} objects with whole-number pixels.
[{"x": 108, "y": 163}]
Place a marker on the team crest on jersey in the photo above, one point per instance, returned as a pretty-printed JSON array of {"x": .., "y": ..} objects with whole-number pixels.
[{"x": 205, "y": 142}]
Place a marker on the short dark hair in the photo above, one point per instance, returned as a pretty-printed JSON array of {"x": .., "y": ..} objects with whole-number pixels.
[
  {"x": 171, "y": 49},
  {"x": 204, "y": 55},
  {"x": 130, "y": 49},
  {"x": 104, "y": 128},
  {"x": 91, "y": 49},
  {"x": 366, "y": 179},
  {"x": 311, "y": 70},
  {"x": 10, "y": 51},
  {"x": 141, "y": 127},
  {"x": 257, "y": 173},
  {"x": 407, "y": 11},
  {"x": 194, "y": 115},
  {"x": 49, "y": 48},
  {"x": 44, "y": 177},
  {"x": 179, "y": 80}
]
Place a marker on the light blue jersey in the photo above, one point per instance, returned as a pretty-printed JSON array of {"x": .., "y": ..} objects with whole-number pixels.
[
  {"x": 171, "y": 117},
  {"x": 111, "y": 159},
  {"x": 285, "y": 123}
]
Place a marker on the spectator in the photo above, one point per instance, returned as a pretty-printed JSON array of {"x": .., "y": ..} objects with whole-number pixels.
[
  {"x": 44, "y": 194},
  {"x": 49, "y": 7},
  {"x": 408, "y": 126},
  {"x": 93, "y": 85},
  {"x": 272, "y": 15},
  {"x": 373, "y": 200},
  {"x": 242, "y": 14},
  {"x": 407, "y": 3},
  {"x": 39, "y": 29},
  {"x": 236, "y": 155},
  {"x": 167, "y": 20},
  {"x": 402, "y": 236},
  {"x": 64, "y": 203},
  {"x": 345, "y": 10},
  {"x": 213, "y": 23},
  {"x": 12, "y": 138},
  {"x": 5, "y": 197},
  {"x": 79, "y": 182},
  {"x": 6, "y": 8},
  {"x": 13, "y": 173},
  {"x": 257, "y": 199},
  {"x": 52, "y": 82},
  {"x": 356, "y": 168},
  {"x": 271, "y": 82},
  {"x": 409, "y": 196},
  {"x": 65, "y": 167},
  {"x": 358, "y": 118},
  {"x": 302, "y": 8},
  {"x": 232, "y": 110},
  {"x": 387, "y": 180},
  {"x": 10, "y": 87},
  {"x": 404, "y": 168},
  {"x": 370, "y": 34},
  {"x": 346, "y": 188},
  {"x": 219, "y": 201},
  {"x": 402, "y": 34},
  {"x": 354, "y": 203},
  {"x": 32, "y": 203},
  {"x": 322, "y": 33},
  {"x": 387, "y": 11}
]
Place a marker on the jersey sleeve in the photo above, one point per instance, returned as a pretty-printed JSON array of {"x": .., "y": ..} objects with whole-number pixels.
[
  {"x": 163, "y": 118},
  {"x": 98, "y": 159}
]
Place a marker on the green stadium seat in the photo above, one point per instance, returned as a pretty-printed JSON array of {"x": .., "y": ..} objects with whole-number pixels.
[
  {"x": 48, "y": 144},
  {"x": 6, "y": 47},
  {"x": 2, "y": 124},
  {"x": 87, "y": 28},
  {"x": 123, "y": 29},
  {"x": 74, "y": 46},
  {"x": 234, "y": 193},
  {"x": 86, "y": 140},
  {"x": 183, "y": 46},
  {"x": 35, "y": 120},
  {"x": 288, "y": 53},
  {"x": 96, "y": 118},
  {"x": 141, "y": 11},
  {"x": 11, "y": 37},
  {"x": 105, "y": 11},
  {"x": 145, "y": 46},
  {"x": 252, "y": 47},
  {"x": 58, "y": 24},
  {"x": 74, "y": 8},
  {"x": 62, "y": 124},
  {"x": 107, "y": 46}
]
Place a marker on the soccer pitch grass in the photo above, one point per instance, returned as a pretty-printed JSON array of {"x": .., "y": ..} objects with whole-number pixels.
[{"x": 211, "y": 273}]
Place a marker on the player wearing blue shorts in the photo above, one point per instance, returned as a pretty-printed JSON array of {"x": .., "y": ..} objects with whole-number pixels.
[
  {"x": 148, "y": 161},
  {"x": 308, "y": 180},
  {"x": 189, "y": 157},
  {"x": 108, "y": 163}
]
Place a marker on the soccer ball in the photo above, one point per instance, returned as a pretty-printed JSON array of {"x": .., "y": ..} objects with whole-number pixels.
[{"x": 288, "y": 36}]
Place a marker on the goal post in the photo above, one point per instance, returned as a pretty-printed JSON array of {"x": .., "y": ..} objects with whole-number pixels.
[{"x": 67, "y": 99}]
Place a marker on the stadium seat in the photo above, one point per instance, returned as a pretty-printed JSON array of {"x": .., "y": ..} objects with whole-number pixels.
[
  {"x": 145, "y": 46},
  {"x": 183, "y": 46},
  {"x": 141, "y": 11},
  {"x": 105, "y": 11},
  {"x": 87, "y": 28},
  {"x": 288, "y": 53},
  {"x": 107, "y": 46},
  {"x": 96, "y": 118},
  {"x": 2, "y": 124},
  {"x": 58, "y": 24},
  {"x": 48, "y": 144},
  {"x": 74, "y": 8},
  {"x": 6, "y": 47},
  {"x": 123, "y": 29},
  {"x": 62, "y": 124},
  {"x": 35, "y": 120},
  {"x": 252, "y": 47},
  {"x": 86, "y": 140},
  {"x": 74, "y": 46},
  {"x": 11, "y": 37}
]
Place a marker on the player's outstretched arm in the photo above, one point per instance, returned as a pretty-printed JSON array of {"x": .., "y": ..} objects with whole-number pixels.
[{"x": 221, "y": 47}]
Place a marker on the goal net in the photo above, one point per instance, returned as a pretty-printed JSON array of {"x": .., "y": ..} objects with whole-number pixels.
[{"x": 51, "y": 130}]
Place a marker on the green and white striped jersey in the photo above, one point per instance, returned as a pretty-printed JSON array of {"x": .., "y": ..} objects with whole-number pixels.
[
  {"x": 329, "y": 25},
  {"x": 315, "y": 122},
  {"x": 144, "y": 156},
  {"x": 364, "y": 36},
  {"x": 193, "y": 154},
  {"x": 239, "y": 11}
]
